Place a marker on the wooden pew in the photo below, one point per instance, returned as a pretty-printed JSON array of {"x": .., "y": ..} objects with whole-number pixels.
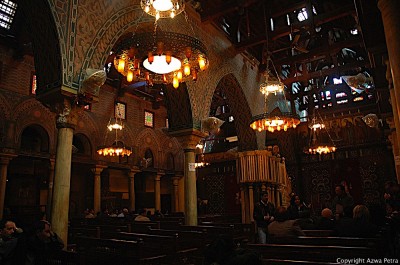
[
  {"x": 314, "y": 253},
  {"x": 185, "y": 239},
  {"x": 142, "y": 227},
  {"x": 63, "y": 258},
  {"x": 214, "y": 232},
  {"x": 167, "y": 245},
  {"x": 316, "y": 233},
  {"x": 95, "y": 251}
]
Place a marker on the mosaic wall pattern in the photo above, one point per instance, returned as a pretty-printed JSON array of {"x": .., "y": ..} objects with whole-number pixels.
[{"x": 241, "y": 112}]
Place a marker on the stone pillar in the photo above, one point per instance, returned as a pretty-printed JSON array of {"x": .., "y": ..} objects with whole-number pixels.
[
  {"x": 175, "y": 194},
  {"x": 4, "y": 161},
  {"x": 393, "y": 138},
  {"x": 97, "y": 188},
  {"x": 66, "y": 122},
  {"x": 391, "y": 24},
  {"x": 157, "y": 192},
  {"x": 251, "y": 201},
  {"x": 394, "y": 123},
  {"x": 181, "y": 195},
  {"x": 132, "y": 196},
  {"x": 188, "y": 140},
  {"x": 50, "y": 188}
]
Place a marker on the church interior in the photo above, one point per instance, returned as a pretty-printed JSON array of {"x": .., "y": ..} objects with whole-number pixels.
[{"x": 190, "y": 111}]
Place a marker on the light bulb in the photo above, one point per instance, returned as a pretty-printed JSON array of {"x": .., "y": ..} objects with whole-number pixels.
[
  {"x": 129, "y": 76},
  {"x": 121, "y": 65},
  {"x": 175, "y": 82},
  {"x": 172, "y": 14},
  {"x": 158, "y": 16},
  {"x": 147, "y": 9}
]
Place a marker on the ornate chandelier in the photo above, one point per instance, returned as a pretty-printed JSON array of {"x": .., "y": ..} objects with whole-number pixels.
[
  {"x": 272, "y": 84},
  {"x": 161, "y": 58},
  {"x": 274, "y": 122},
  {"x": 318, "y": 144},
  {"x": 163, "y": 8},
  {"x": 117, "y": 148}
]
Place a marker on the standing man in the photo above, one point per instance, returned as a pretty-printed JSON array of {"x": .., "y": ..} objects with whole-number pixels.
[
  {"x": 263, "y": 215},
  {"x": 342, "y": 198}
]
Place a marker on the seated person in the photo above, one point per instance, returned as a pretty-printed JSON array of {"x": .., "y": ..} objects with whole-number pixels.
[
  {"x": 142, "y": 217},
  {"x": 325, "y": 221},
  {"x": 43, "y": 244},
  {"x": 11, "y": 243},
  {"x": 305, "y": 221},
  {"x": 296, "y": 206},
  {"x": 283, "y": 227},
  {"x": 362, "y": 225}
]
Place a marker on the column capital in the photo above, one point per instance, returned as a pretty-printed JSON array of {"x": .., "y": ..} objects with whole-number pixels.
[
  {"x": 6, "y": 158},
  {"x": 97, "y": 169},
  {"x": 67, "y": 113},
  {"x": 188, "y": 138}
]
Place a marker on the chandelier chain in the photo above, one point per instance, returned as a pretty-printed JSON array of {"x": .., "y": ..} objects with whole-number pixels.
[{"x": 190, "y": 24}]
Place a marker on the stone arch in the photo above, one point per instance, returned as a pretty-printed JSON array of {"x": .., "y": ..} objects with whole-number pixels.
[
  {"x": 147, "y": 139},
  {"x": 82, "y": 144},
  {"x": 34, "y": 138},
  {"x": 87, "y": 126},
  {"x": 109, "y": 33},
  {"x": 5, "y": 108},
  {"x": 240, "y": 110},
  {"x": 48, "y": 55},
  {"x": 170, "y": 146},
  {"x": 31, "y": 112}
]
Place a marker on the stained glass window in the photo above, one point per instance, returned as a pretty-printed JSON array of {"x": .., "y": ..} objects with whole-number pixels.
[{"x": 148, "y": 119}]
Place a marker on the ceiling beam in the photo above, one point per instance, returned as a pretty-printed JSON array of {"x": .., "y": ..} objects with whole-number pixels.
[
  {"x": 226, "y": 8},
  {"x": 295, "y": 27},
  {"x": 325, "y": 72},
  {"x": 322, "y": 50}
]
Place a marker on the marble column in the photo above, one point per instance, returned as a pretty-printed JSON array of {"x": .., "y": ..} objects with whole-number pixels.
[
  {"x": 391, "y": 24},
  {"x": 97, "y": 188},
  {"x": 188, "y": 140},
  {"x": 4, "y": 161},
  {"x": 50, "y": 188},
  {"x": 157, "y": 192},
  {"x": 175, "y": 194},
  {"x": 66, "y": 122},
  {"x": 132, "y": 196},
  {"x": 251, "y": 201},
  {"x": 393, "y": 138}
]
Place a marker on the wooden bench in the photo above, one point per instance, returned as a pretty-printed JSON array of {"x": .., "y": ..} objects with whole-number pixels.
[
  {"x": 318, "y": 232},
  {"x": 112, "y": 251},
  {"x": 330, "y": 241},
  {"x": 167, "y": 245},
  {"x": 185, "y": 239},
  {"x": 313, "y": 253},
  {"x": 63, "y": 258},
  {"x": 294, "y": 262}
]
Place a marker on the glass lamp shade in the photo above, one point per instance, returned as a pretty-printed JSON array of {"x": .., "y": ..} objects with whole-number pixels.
[
  {"x": 114, "y": 150},
  {"x": 267, "y": 122},
  {"x": 320, "y": 149},
  {"x": 160, "y": 65},
  {"x": 162, "y": 5},
  {"x": 270, "y": 86}
]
